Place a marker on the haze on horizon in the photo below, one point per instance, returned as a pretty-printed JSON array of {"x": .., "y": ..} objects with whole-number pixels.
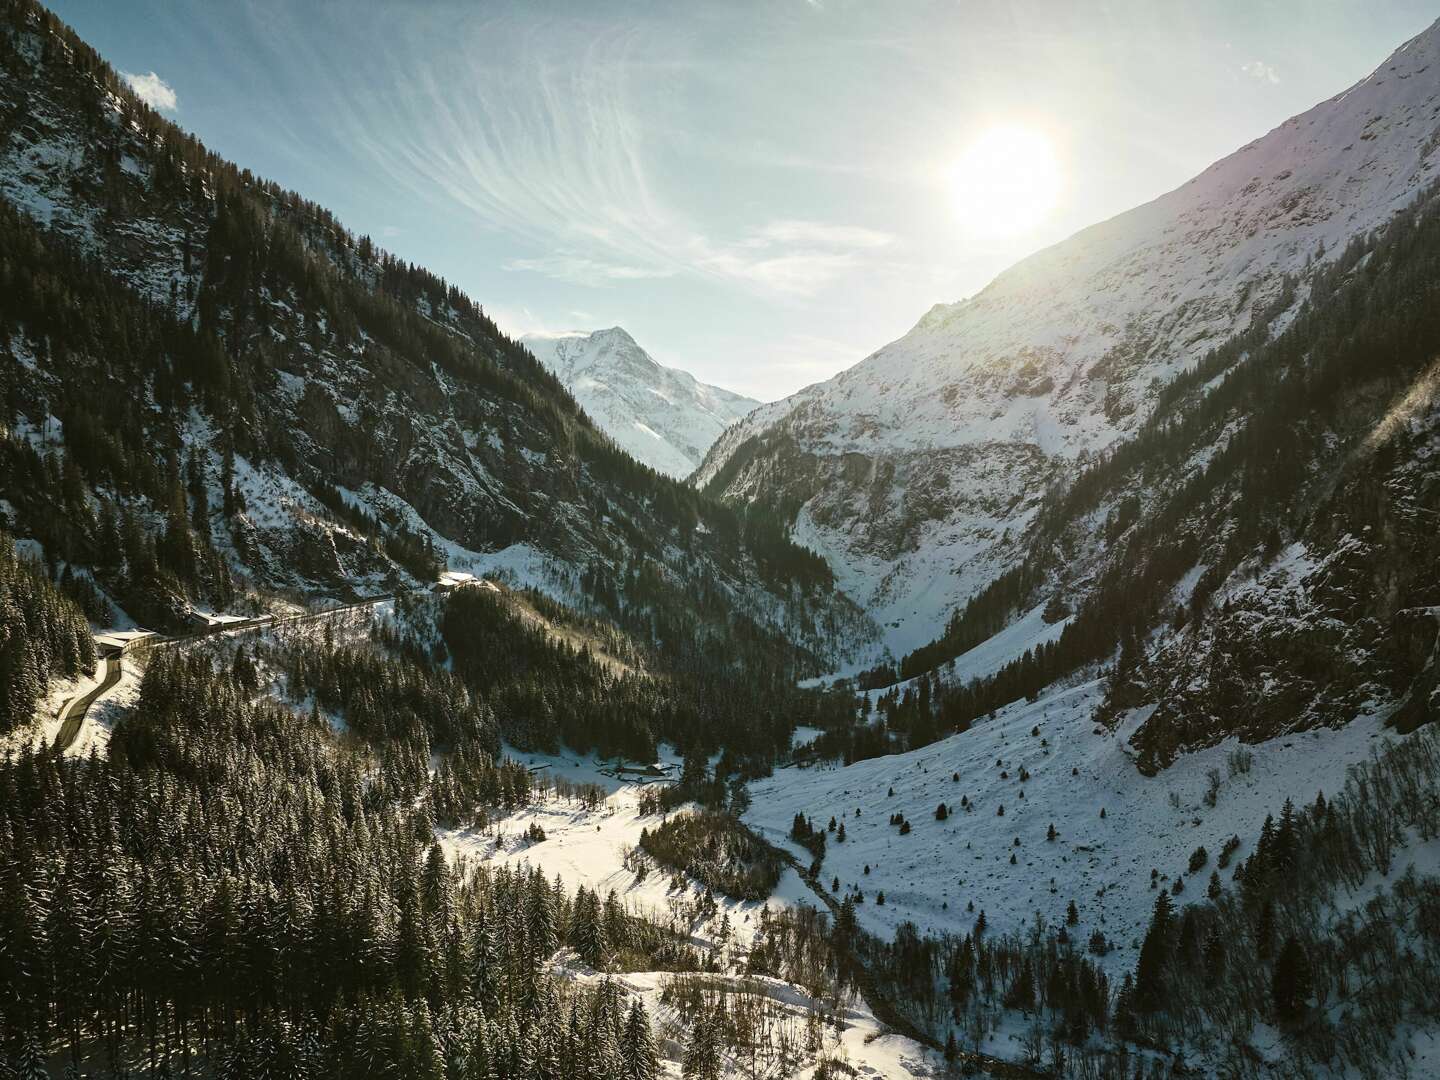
[{"x": 761, "y": 194}]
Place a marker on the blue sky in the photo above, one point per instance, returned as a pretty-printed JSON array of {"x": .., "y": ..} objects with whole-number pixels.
[{"x": 760, "y": 193}]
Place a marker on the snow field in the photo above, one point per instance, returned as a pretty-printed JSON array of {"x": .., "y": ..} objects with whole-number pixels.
[{"x": 932, "y": 875}]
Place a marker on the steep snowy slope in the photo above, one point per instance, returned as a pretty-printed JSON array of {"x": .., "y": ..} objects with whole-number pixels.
[
  {"x": 1015, "y": 781},
  {"x": 909, "y": 470},
  {"x": 1051, "y": 843},
  {"x": 661, "y": 416}
]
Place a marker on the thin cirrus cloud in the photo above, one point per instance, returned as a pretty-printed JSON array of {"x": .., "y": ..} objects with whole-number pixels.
[
  {"x": 816, "y": 233},
  {"x": 796, "y": 258},
  {"x": 582, "y": 270},
  {"x": 792, "y": 258},
  {"x": 153, "y": 90},
  {"x": 558, "y": 148}
]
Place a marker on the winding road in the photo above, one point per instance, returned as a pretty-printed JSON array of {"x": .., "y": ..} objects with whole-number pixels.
[{"x": 73, "y": 712}]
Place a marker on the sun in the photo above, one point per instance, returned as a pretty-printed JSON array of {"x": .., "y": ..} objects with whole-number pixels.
[{"x": 1007, "y": 180}]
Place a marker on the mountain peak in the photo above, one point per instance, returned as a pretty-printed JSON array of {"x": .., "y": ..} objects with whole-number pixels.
[
  {"x": 1424, "y": 44},
  {"x": 662, "y": 416}
]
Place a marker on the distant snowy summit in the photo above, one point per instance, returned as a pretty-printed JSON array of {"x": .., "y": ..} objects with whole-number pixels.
[{"x": 664, "y": 417}]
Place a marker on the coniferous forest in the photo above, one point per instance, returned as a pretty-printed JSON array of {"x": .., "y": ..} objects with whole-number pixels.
[
  {"x": 229, "y": 888},
  {"x": 45, "y": 633},
  {"x": 366, "y": 711}
]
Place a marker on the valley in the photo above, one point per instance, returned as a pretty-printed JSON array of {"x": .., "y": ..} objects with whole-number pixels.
[{"x": 382, "y": 694}]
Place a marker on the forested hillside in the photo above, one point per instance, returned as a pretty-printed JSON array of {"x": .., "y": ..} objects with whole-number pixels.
[
  {"x": 284, "y": 913},
  {"x": 218, "y": 379},
  {"x": 247, "y": 880},
  {"x": 43, "y": 635}
]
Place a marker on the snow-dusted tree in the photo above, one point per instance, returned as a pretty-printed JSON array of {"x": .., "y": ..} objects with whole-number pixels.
[
  {"x": 703, "y": 1060},
  {"x": 637, "y": 1047}
]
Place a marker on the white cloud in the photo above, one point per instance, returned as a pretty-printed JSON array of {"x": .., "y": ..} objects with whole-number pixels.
[
  {"x": 786, "y": 257},
  {"x": 517, "y": 322},
  {"x": 808, "y": 358},
  {"x": 1258, "y": 69},
  {"x": 796, "y": 273},
  {"x": 819, "y": 234},
  {"x": 153, "y": 90},
  {"x": 792, "y": 258},
  {"x": 795, "y": 258},
  {"x": 783, "y": 365},
  {"x": 586, "y": 271},
  {"x": 563, "y": 160}
]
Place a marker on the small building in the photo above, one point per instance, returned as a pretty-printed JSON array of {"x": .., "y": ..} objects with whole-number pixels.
[{"x": 656, "y": 770}]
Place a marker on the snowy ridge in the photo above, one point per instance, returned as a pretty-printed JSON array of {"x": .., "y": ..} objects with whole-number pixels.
[
  {"x": 661, "y": 416},
  {"x": 914, "y": 465}
]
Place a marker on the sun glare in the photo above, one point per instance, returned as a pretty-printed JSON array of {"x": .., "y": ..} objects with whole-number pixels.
[{"x": 1006, "y": 181}]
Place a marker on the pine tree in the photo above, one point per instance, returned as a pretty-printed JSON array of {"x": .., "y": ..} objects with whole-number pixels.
[
  {"x": 435, "y": 885},
  {"x": 1282, "y": 858},
  {"x": 702, "y": 1059},
  {"x": 1265, "y": 931},
  {"x": 587, "y": 929},
  {"x": 540, "y": 916},
  {"x": 1214, "y": 955},
  {"x": 1021, "y": 994},
  {"x": 30, "y": 1062}
]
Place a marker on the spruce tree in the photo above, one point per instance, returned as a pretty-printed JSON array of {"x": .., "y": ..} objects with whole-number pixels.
[
  {"x": 637, "y": 1048},
  {"x": 1151, "y": 991},
  {"x": 702, "y": 1059}
]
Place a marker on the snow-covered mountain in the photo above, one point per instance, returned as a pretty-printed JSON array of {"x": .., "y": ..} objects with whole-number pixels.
[
  {"x": 914, "y": 470},
  {"x": 662, "y": 416}
]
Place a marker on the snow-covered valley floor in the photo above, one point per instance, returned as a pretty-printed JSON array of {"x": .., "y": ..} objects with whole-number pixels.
[{"x": 587, "y": 846}]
